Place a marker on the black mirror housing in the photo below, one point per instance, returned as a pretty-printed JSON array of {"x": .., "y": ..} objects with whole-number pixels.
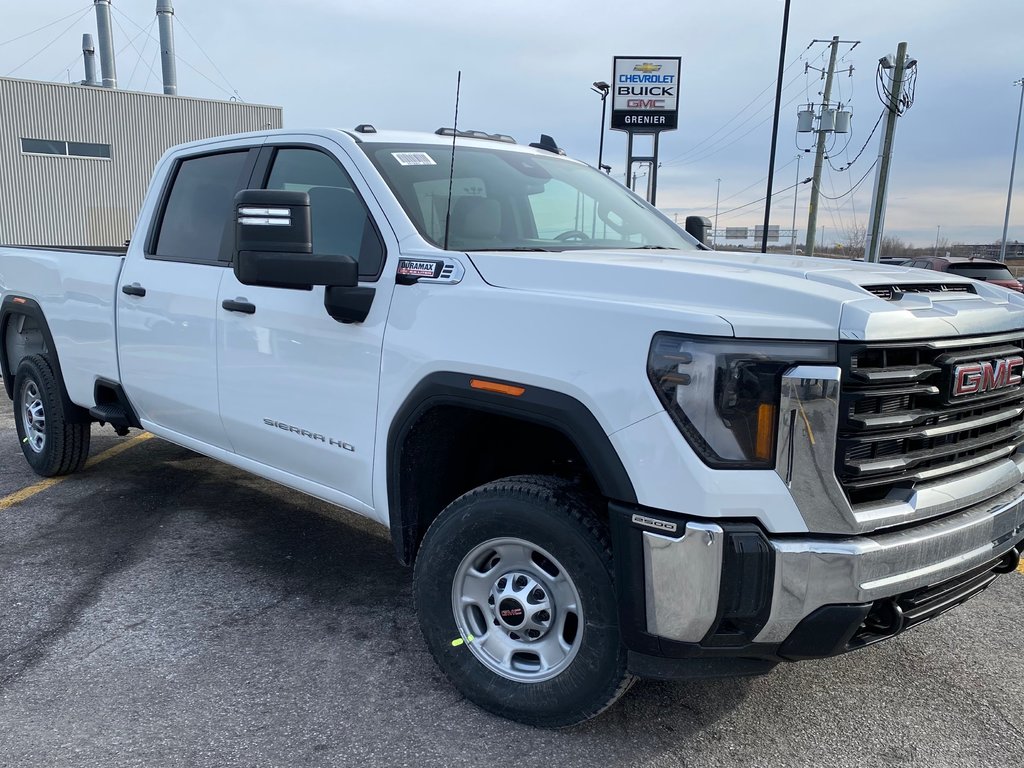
[
  {"x": 699, "y": 227},
  {"x": 295, "y": 270},
  {"x": 273, "y": 220},
  {"x": 274, "y": 244}
]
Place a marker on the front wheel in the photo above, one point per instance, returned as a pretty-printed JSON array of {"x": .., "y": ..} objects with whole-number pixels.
[
  {"x": 516, "y": 600},
  {"x": 53, "y": 440}
]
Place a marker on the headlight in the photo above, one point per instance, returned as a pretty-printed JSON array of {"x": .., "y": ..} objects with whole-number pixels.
[{"x": 723, "y": 394}]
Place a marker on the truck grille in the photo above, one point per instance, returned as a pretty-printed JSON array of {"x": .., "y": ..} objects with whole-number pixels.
[{"x": 900, "y": 425}]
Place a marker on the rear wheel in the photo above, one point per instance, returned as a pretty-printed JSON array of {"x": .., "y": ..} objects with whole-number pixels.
[
  {"x": 516, "y": 600},
  {"x": 54, "y": 440}
]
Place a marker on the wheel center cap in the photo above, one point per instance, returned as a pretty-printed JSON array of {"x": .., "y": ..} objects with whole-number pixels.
[{"x": 511, "y": 612}]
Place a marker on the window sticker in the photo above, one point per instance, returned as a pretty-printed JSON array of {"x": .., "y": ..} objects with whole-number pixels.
[{"x": 413, "y": 158}]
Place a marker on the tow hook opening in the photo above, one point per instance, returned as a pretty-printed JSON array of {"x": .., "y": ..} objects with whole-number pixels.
[
  {"x": 1009, "y": 563},
  {"x": 884, "y": 619}
]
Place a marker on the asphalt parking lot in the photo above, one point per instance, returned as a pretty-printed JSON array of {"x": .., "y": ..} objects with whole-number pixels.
[{"x": 160, "y": 609}]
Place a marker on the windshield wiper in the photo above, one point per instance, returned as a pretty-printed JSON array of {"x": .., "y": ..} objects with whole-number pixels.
[
  {"x": 652, "y": 248},
  {"x": 516, "y": 248}
]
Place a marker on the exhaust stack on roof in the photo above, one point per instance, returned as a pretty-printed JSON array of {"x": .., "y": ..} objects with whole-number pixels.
[
  {"x": 89, "y": 55},
  {"x": 165, "y": 17},
  {"x": 106, "y": 38}
]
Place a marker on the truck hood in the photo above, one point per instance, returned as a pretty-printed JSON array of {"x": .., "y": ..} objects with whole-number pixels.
[{"x": 769, "y": 295}]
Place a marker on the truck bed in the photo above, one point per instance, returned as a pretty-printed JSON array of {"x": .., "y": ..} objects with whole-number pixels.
[{"x": 76, "y": 290}]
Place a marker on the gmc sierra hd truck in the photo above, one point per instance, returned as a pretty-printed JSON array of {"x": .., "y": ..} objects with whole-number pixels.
[{"x": 608, "y": 451}]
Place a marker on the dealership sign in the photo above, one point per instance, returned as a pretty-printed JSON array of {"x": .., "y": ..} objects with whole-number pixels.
[{"x": 645, "y": 94}]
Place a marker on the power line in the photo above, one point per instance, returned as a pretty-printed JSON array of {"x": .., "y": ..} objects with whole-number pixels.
[
  {"x": 737, "y": 194},
  {"x": 178, "y": 57},
  {"x": 131, "y": 41},
  {"x": 707, "y": 151},
  {"x": 763, "y": 198},
  {"x": 869, "y": 170},
  {"x": 729, "y": 144},
  {"x": 202, "y": 51},
  {"x": 67, "y": 29},
  {"x": 47, "y": 26},
  {"x": 724, "y": 125},
  {"x": 861, "y": 151},
  {"x": 139, "y": 60}
]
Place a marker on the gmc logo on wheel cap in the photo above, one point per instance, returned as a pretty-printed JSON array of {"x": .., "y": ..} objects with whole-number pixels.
[{"x": 977, "y": 378}]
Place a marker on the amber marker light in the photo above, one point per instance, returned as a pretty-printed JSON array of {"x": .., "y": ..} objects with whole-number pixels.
[
  {"x": 494, "y": 386},
  {"x": 765, "y": 431}
]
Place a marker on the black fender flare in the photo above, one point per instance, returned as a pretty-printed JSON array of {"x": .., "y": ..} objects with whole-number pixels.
[
  {"x": 537, "y": 405},
  {"x": 11, "y": 307}
]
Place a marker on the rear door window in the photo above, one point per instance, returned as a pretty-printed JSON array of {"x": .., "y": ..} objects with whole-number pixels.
[
  {"x": 198, "y": 213},
  {"x": 982, "y": 271}
]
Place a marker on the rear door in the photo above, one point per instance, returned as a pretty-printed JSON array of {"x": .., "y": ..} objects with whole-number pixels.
[
  {"x": 298, "y": 389},
  {"x": 167, "y": 302}
]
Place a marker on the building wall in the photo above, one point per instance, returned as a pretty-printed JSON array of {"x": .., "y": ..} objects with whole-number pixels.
[{"x": 61, "y": 200}]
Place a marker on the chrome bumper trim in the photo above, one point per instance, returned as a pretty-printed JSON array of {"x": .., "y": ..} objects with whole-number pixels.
[
  {"x": 682, "y": 577},
  {"x": 806, "y": 454},
  {"x": 812, "y": 573}
]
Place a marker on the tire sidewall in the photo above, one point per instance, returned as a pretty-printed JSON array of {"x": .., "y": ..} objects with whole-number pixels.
[
  {"x": 583, "y": 688},
  {"x": 44, "y": 462}
]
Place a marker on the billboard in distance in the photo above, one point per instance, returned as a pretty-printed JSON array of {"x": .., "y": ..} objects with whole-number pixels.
[{"x": 645, "y": 93}]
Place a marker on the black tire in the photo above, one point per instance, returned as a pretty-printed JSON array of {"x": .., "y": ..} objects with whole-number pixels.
[
  {"x": 65, "y": 445},
  {"x": 553, "y": 515}
]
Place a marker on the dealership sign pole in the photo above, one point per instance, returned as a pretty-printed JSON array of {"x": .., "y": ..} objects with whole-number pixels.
[{"x": 645, "y": 102}]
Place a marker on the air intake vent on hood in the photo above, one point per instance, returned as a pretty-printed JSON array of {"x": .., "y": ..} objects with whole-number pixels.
[{"x": 896, "y": 292}]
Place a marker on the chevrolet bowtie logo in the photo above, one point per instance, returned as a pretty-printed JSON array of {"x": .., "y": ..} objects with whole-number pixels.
[{"x": 647, "y": 67}]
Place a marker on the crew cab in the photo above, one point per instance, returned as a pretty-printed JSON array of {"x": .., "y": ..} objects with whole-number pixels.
[{"x": 607, "y": 451}]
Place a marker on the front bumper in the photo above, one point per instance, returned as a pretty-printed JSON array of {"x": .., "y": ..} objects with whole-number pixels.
[{"x": 716, "y": 592}]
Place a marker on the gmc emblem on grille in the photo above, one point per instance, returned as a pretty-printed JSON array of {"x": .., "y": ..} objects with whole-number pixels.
[{"x": 976, "y": 378}]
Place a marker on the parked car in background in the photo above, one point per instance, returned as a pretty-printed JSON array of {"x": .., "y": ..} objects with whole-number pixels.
[
  {"x": 895, "y": 261},
  {"x": 977, "y": 269}
]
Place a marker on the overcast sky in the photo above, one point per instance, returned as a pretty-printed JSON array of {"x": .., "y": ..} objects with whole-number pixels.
[{"x": 527, "y": 68}]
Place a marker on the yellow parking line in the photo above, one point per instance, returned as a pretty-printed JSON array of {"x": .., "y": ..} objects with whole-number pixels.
[
  {"x": 1020, "y": 568},
  {"x": 27, "y": 493}
]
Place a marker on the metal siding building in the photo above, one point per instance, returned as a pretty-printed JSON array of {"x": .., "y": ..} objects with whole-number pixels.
[{"x": 64, "y": 199}]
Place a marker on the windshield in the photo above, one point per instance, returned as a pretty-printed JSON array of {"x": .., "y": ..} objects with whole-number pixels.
[
  {"x": 982, "y": 271},
  {"x": 508, "y": 200}
]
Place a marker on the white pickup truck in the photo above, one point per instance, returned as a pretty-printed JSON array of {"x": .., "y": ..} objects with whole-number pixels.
[{"x": 608, "y": 451}]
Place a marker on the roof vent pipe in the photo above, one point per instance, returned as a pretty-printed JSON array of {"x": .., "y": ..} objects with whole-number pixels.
[
  {"x": 89, "y": 56},
  {"x": 165, "y": 17},
  {"x": 106, "y": 38}
]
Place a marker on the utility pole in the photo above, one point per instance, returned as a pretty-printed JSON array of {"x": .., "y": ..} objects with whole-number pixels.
[
  {"x": 796, "y": 192},
  {"x": 1013, "y": 167},
  {"x": 819, "y": 153},
  {"x": 718, "y": 191},
  {"x": 938, "y": 228},
  {"x": 876, "y": 221}
]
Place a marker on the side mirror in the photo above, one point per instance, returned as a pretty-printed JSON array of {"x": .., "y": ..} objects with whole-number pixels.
[
  {"x": 274, "y": 244},
  {"x": 699, "y": 227}
]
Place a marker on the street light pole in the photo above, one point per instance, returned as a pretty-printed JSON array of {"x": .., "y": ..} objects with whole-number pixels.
[
  {"x": 601, "y": 88},
  {"x": 718, "y": 191},
  {"x": 796, "y": 192},
  {"x": 775, "y": 130},
  {"x": 1013, "y": 167},
  {"x": 938, "y": 229}
]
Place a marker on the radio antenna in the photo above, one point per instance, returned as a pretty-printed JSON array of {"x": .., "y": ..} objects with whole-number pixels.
[{"x": 451, "y": 170}]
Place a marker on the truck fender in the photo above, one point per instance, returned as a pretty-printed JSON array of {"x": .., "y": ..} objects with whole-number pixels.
[
  {"x": 544, "y": 407},
  {"x": 10, "y": 309}
]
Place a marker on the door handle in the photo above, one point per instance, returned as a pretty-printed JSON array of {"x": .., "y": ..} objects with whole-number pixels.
[
  {"x": 133, "y": 290},
  {"x": 239, "y": 305}
]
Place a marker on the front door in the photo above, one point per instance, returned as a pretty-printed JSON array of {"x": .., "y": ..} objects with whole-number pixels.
[{"x": 298, "y": 390}]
